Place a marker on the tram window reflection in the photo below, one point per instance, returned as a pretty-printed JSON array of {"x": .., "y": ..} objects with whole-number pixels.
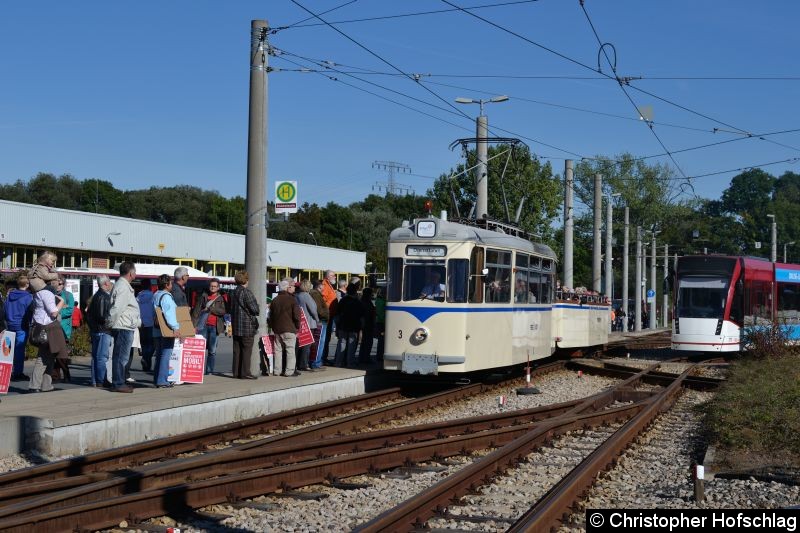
[
  {"x": 457, "y": 280},
  {"x": 394, "y": 291},
  {"x": 702, "y": 297},
  {"x": 424, "y": 281}
]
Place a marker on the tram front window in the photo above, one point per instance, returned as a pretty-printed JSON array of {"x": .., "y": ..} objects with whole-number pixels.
[
  {"x": 702, "y": 297},
  {"x": 424, "y": 281}
]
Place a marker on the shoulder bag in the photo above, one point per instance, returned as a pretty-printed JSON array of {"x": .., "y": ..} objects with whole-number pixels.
[{"x": 38, "y": 335}]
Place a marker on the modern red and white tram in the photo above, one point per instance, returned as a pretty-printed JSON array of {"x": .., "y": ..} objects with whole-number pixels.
[{"x": 718, "y": 297}]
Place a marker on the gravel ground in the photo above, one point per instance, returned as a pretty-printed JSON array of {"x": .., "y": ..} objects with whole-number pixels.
[
  {"x": 13, "y": 462},
  {"x": 342, "y": 510},
  {"x": 656, "y": 472}
]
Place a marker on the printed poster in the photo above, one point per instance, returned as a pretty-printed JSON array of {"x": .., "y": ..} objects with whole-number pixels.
[
  {"x": 304, "y": 335},
  {"x": 6, "y": 359},
  {"x": 268, "y": 342},
  {"x": 188, "y": 360}
]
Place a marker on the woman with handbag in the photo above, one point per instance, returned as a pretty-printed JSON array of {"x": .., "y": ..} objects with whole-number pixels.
[
  {"x": 46, "y": 333},
  {"x": 244, "y": 312}
]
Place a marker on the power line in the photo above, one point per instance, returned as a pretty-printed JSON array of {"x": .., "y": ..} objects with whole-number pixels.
[
  {"x": 327, "y": 65},
  {"x": 622, "y": 87},
  {"x": 340, "y": 32},
  {"x": 276, "y": 30},
  {"x": 410, "y": 108},
  {"x": 790, "y": 160},
  {"x": 584, "y": 65},
  {"x": 571, "y": 108},
  {"x": 402, "y": 15}
]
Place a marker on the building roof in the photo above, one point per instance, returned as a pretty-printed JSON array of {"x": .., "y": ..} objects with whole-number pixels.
[{"x": 49, "y": 227}]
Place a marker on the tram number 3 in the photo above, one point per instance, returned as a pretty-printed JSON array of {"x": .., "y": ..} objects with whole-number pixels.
[{"x": 399, "y": 333}]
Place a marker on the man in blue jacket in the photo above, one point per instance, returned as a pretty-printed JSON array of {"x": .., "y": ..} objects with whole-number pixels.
[{"x": 18, "y": 311}]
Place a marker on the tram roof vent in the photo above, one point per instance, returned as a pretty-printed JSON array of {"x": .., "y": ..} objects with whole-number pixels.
[{"x": 405, "y": 224}]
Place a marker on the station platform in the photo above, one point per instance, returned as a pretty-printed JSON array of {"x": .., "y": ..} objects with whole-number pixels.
[{"x": 79, "y": 419}]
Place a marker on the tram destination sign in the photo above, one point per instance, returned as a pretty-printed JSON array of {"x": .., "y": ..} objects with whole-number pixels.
[
  {"x": 426, "y": 251},
  {"x": 286, "y": 197}
]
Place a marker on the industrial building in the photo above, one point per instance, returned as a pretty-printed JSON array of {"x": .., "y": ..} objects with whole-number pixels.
[{"x": 96, "y": 241}]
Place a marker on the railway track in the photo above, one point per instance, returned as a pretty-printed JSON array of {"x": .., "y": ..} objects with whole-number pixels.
[{"x": 97, "y": 493}]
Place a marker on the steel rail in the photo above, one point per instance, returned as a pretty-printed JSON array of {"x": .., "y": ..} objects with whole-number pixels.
[
  {"x": 653, "y": 376},
  {"x": 166, "y": 447},
  {"x": 190, "y": 495},
  {"x": 51, "y": 477},
  {"x": 414, "y": 512},
  {"x": 225, "y": 462},
  {"x": 558, "y": 501}
]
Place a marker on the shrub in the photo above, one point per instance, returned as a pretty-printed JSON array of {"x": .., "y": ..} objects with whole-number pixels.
[{"x": 767, "y": 341}]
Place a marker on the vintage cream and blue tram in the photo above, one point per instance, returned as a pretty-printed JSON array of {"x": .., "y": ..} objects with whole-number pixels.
[{"x": 466, "y": 298}]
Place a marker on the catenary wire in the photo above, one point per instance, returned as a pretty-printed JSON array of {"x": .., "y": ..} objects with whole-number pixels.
[
  {"x": 378, "y": 56},
  {"x": 401, "y": 15}
]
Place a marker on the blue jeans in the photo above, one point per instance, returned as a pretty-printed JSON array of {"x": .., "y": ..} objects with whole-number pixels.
[
  {"x": 210, "y": 333},
  {"x": 163, "y": 352},
  {"x": 346, "y": 348},
  {"x": 317, "y": 362},
  {"x": 123, "y": 340},
  {"x": 19, "y": 352},
  {"x": 101, "y": 343}
]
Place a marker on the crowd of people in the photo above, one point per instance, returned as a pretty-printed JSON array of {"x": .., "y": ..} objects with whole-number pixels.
[{"x": 121, "y": 320}]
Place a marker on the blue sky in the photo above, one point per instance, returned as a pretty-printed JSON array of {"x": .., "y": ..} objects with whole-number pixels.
[{"x": 156, "y": 93}]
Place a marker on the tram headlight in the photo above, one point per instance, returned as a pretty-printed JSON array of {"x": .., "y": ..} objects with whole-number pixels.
[{"x": 420, "y": 335}]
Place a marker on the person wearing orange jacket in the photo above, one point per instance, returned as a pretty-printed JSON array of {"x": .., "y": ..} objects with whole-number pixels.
[{"x": 328, "y": 291}]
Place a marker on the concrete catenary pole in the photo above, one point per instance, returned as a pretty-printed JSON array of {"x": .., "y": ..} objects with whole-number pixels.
[
  {"x": 609, "y": 285},
  {"x": 255, "y": 245},
  {"x": 665, "y": 307},
  {"x": 625, "y": 245},
  {"x": 569, "y": 224},
  {"x": 482, "y": 178},
  {"x": 637, "y": 305},
  {"x": 597, "y": 241},
  {"x": 653, "y": 306}
]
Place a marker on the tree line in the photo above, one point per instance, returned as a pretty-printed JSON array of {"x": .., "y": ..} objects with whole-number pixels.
[{"x": 657, "y": 200}]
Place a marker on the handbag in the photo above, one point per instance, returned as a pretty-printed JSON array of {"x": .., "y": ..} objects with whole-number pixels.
[{"x": 38, "y": 336}]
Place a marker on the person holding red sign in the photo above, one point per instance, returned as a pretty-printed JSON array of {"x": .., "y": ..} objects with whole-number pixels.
[
  {"x": 309, "y": 307},
  {"x": 163, "y": 300}
]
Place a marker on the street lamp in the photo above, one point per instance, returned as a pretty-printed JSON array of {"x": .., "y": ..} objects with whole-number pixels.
[
  {"x": 774, "y": 254},
  {"x": 784, "y": 249},
  {"x": 480, "y": 101},
  {"x": 312, "y": 236},
  {"x": 482, "y": 133}
]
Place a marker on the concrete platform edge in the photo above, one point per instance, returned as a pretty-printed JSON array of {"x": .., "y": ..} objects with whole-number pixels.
[{"x": 46, "y": 437}]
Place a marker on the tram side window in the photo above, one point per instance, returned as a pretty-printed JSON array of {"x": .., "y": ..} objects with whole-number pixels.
[
  {"x": 788, "y": 303},
  {"x": 498, "y": 280},
  {"x": 476, "y": 279},
  {"x": 758, "y": 303},
  {"x": 394, "y": 292},
  {"x": 546, "y": 288},
  {"x": 457, "y": 280}
]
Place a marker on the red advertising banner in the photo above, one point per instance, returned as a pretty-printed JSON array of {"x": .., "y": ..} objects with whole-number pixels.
[
  {"x": 5, "y": 378},
  {"x": 304, "y": 335},
  {"x": 193, "y": 359},
  {"x": 6, "y": 359}
]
